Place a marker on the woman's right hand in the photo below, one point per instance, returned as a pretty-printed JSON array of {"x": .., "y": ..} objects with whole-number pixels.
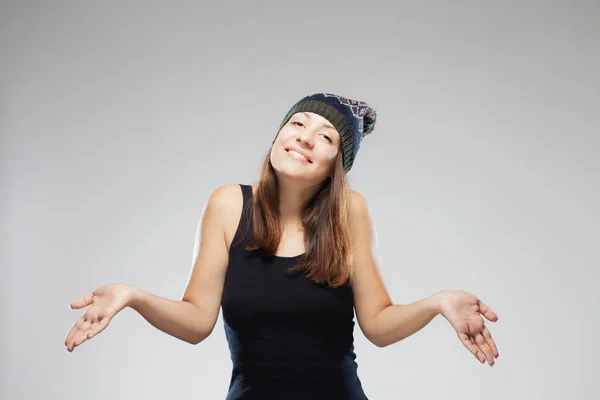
[{"x": 105, "y": 302}]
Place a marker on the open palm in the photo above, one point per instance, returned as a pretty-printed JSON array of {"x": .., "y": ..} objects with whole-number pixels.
[
  {"x": 464, "y": 311},
  {"x": 104, "y": 303}
]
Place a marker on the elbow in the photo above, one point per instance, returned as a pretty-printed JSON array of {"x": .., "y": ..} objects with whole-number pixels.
[
  {"x": 196, "y": 335},
  {"x": 198, "y": 338},
  {"x": 203, "y": 333},
  {"x": 381, "y": 343},
  {"x": 194, "y": 340},
  {"x": 378, "y": 342},
  {"x": 384, "y": 342},
  {"x": 372, "y": 331},
  {"x": 201, "y": 329}
]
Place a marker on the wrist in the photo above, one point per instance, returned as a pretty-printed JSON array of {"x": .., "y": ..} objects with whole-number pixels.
[
  {"x": 134, "y": 296},
  {"x": 438, "y": 301}
]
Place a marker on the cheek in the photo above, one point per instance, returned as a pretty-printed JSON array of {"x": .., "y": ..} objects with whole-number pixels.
[
  {"x": 273, "y": 163},
  {"x": 332, "y": 154},
  {"x": 286, "y": 133}
]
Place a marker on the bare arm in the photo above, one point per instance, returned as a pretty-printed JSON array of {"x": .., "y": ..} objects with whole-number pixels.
[
  {"x": 180, "y": 319},
  {"x": 382, "y": 322},
  {"x": 399, "y": 321},
  {"x": 194, "y": 316}
]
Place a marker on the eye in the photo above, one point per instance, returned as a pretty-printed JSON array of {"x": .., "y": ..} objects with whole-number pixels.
[
  {"x": 328, "y": 138},
  {"x": 296, "y": 122}
]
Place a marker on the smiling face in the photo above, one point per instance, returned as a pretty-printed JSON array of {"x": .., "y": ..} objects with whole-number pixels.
[{"x": 306, "y": 148}]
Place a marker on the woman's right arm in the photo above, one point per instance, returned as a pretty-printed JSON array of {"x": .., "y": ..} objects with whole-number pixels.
[{"x": 192, "y": 318}]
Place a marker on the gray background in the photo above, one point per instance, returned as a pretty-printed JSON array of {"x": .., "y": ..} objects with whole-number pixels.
[{"x": 118, "y": 119}]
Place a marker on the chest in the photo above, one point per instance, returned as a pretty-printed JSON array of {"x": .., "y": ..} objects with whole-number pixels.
[{"x": 257, "y": 290}]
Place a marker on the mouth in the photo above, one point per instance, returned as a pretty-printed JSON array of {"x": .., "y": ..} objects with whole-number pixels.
[{"x": 298, "y": 156}]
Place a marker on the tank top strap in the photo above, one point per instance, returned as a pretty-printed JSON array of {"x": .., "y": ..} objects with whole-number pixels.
[
  {"x": 244, "y": 233},
  {"x": 246, "y": 193}
]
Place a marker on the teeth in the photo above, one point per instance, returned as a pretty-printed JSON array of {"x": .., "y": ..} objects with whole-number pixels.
[{"x": 298, "y": 154}]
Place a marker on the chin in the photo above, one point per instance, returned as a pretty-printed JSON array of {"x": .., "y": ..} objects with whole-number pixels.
[
  {"x": 292, "y": 173},
  {"x": 296, "y": 174}
]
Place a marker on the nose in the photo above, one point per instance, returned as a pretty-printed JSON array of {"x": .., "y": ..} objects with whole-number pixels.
[{"x": 306, "y": 137}]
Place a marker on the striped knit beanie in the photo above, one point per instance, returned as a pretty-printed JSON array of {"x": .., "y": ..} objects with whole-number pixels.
[{"x": 351, "y": 118}]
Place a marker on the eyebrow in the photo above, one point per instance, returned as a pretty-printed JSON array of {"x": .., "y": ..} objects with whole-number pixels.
[{"x": 307, "y": 115}]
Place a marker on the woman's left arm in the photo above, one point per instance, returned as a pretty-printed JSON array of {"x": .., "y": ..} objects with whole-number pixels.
[{"x": 384, "y": 323}]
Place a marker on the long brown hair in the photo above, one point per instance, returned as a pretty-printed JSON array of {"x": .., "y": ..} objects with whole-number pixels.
[{"x": 325, "y": 220}]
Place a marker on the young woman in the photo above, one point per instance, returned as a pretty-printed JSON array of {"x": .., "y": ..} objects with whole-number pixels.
[{"x": 289, "y": 261}]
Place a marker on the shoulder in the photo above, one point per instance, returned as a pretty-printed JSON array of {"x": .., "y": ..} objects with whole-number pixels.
[
  {"x": 359, "y": 206},
  {"x": 226, "y": 203},
  {"x": 226, "y": 197},
  {"x": 359, "y": 217}
]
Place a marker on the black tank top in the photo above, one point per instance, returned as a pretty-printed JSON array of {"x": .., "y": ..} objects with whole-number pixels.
[{"x": 290, "y": 338}]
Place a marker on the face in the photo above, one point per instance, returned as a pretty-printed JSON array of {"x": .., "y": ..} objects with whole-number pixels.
[{"x": 306, "y": 148}]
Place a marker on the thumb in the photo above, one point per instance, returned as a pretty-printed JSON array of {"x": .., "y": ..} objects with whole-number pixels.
[
  {"x": 81, "y": 302},
  {"x": 487, "y": 312}
]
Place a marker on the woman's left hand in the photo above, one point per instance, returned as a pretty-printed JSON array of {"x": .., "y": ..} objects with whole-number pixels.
[{"x": 464, "y": 311}]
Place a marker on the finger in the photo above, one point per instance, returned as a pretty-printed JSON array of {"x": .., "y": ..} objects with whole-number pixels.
[
  {"x": 87, "y": 330},
  {"x": 490, "y": 341},
  {"x": 82, "y": 327},
  {"x": 487, "y": 312},
  {"x": 470, "y": 345},
  {"x": 97, "y": 328},
  {"x": 70, "y": 334},
  {"x": 91, "y": 315},
  {"x": 73, "y": 332},
  {"x": 81, "y": 333},
  {"x": 483, "y": 347},
  {"x": 83, "y": 301},
  {"x": 80, "y": 324},
  {"x": 99, "y": 315},
  {"x": 80, "y": 338},
  {"x": 480, "y": 356},
  {"x": 71, "y": 342}
]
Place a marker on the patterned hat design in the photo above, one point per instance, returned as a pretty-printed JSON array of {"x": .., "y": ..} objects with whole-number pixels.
[{"x": 351, "y": 118}]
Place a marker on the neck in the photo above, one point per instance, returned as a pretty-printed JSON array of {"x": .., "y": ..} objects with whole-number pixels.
[{"x": 293, "y": 197}]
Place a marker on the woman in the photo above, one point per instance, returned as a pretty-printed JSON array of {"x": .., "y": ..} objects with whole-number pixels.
[{"x": 289, "y": 261}]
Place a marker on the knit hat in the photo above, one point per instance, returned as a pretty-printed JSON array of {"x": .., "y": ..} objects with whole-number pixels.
[{"x": 351, "y": 118}]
